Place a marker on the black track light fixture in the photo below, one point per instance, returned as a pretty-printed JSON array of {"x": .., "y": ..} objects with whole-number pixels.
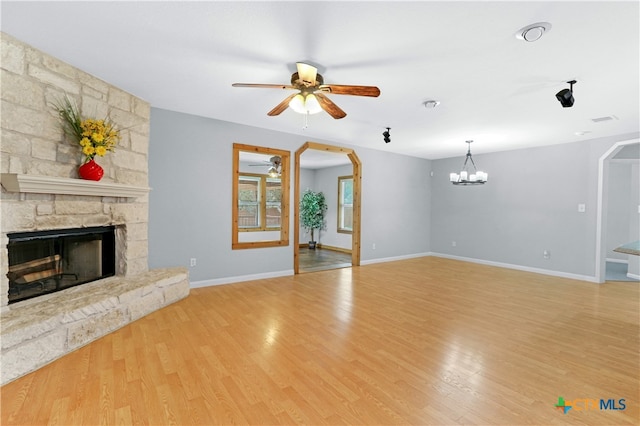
[
  {"x": 565, "y": 96},
  {"x": 387, "y": 135}
]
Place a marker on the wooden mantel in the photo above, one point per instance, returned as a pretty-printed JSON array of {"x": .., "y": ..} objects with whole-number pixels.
[{"x": 14, "y": 182}]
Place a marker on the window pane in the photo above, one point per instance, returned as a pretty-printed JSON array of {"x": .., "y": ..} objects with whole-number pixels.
[
  {"x": 347, "y": 217},
  {"x": 273, "y": 215},
  {"x": 274, "y": 190},
  {"x": 347, "y": 191},
  {"x": 248, "y": 216},
  {"x": 345, "y": 203},
  {"x": 248, "y": 189}
]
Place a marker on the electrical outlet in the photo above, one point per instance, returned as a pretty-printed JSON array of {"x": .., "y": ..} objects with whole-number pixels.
[
  {"x": 373, "y": 246},
  {"x": 453, "y": 243},
  {"x": 193, "y": 261},
  {"x": 546, "y": 254}
]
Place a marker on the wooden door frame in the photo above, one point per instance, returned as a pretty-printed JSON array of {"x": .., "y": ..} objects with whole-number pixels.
[{"x": 357, "y": 193}]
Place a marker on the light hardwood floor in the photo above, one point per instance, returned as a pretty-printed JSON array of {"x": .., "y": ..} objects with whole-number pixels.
[{"x": 420, "y": 341}]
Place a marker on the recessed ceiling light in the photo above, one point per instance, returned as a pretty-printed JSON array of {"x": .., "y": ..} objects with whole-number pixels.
[
  {"x": 533, "y": 32},
  {"x": 431, "y": 104}
]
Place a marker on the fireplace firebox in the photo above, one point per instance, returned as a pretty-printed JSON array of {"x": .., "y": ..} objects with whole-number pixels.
[{"x": 44, "y": 262}]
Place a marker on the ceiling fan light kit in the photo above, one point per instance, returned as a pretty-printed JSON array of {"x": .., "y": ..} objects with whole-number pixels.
[
  {"x": 273, "y": 172},
  {"x": 311, "y": 97},
  {"x": 469, "y": 175},
  {"x": 305, "y": 104}
]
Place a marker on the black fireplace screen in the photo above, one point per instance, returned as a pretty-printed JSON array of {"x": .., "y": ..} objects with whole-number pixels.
[{"x": 48, "y": 261}]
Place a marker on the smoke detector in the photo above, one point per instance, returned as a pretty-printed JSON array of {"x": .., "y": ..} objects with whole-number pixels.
[{"x": 533, "y": 32}]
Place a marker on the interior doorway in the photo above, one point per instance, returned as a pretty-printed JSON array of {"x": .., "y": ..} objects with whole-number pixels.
[
  {"x": 357, "y": 184},
  {"x": 604, "y": 181}
]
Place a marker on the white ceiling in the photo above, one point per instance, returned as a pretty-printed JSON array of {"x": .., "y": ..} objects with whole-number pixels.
[{"x": 494, "y": 89}]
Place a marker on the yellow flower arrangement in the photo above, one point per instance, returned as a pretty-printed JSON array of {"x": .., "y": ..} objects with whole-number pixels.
[{"x": 96, "y": 137}]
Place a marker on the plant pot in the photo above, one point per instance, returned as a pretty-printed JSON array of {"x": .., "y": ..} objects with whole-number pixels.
[
  {"x": 91, "y": 171},
  {"x": 312, "y": 245}
]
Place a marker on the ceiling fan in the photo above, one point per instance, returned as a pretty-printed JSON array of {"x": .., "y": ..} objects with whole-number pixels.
[
  {"x": 311, "y": 96},
  {"x": 274, "y": 164}
]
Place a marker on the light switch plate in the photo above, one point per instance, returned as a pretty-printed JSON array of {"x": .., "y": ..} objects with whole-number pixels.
[{"x": 582, "y": 208}]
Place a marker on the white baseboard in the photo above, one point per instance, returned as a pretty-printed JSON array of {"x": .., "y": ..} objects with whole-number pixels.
[
  {"x": 393, "y": 259},
  {"x": 520, "y": 268},
  {"x": 241, "y": 278},
  {"x": 633, "y": 276}
]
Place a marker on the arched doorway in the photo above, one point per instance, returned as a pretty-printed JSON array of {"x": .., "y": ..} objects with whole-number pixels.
[
  {"x": 602, "y": 213},
  {"x": 357, "y": 191}
]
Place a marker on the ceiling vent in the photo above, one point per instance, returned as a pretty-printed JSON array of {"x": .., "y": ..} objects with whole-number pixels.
[{"x": 607, "y": 118}]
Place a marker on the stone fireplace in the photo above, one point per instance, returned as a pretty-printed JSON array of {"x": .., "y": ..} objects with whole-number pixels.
[{"x": 42, "y": 194}]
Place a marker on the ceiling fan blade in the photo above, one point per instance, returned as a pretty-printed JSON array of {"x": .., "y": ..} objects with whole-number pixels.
[
  {"x": 342, "y": 89},
  {"x": 307, "y": 74},
  {"x": 281, "y": 106},
  {"x": 331, "y": 108},
  {"x": 266, "y": 86}
]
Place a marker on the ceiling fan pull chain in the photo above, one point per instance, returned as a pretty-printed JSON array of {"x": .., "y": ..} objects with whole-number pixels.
[{"x": 305, "y": 121}]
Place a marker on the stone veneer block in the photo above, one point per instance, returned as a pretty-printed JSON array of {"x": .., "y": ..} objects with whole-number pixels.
[
  {"x": 148, "y": 303},
  {"x": 32, "y": 354},
  {"x": 28, "y": 327},
  {"x": 83, "y": 332},
  {"x": 38, "y": 331}
]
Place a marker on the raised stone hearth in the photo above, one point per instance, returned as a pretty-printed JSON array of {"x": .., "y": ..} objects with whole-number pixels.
[{"x": 39, "y": 331}]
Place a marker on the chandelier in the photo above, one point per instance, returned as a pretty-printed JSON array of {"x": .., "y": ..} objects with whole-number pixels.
[{"x": 469, "y": 175}]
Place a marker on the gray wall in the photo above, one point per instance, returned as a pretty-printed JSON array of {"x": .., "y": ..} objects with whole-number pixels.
[
  {"x": 327, "y": 182},
  {"x": 530, "y": 204},
  {"x": 396, "y": 205},
  {"x": 190, "y": 173}
]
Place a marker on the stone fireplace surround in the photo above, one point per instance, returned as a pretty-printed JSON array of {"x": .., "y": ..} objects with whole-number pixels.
[{"x": 41, "y": 191}]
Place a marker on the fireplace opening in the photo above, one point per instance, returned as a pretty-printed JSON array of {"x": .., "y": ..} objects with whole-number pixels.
[{"x": 44, "y": 262}]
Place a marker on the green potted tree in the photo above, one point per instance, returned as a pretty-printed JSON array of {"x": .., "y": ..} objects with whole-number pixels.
[{"x": 313, "y": 207}]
